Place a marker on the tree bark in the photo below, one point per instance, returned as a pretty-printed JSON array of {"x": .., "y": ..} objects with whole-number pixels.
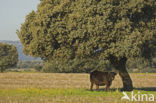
[
  {"x": 120, "y": 65},
  {"x": 126, "y": 79}
]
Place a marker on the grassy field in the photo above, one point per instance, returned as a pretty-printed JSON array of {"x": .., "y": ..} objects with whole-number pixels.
[{"x": 67, "y": 88}]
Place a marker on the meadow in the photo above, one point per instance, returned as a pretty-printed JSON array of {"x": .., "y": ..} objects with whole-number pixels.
[{"x": 67, "y": 88}]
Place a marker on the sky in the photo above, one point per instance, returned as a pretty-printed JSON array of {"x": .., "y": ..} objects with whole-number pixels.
[{"x": 12, "y": 15}]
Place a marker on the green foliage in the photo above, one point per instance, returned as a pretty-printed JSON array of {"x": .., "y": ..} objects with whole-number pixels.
[
  {"x": 62, "y": 30},
  {"x": 85, "y": 65},
  {"x": 29, "y": 64},
  {"x": 69, "y": 28},
  {"x": 8, "y": 56},
  {"x": 38, "y": 67},
  {"x": 141, "y": 66}
]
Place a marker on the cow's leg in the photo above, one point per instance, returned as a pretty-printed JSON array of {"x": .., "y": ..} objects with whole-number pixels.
[
  {"x": 108, "y": 86},
  {"x": 97, "y": 87},
  {"x": 91, "y": 86}
]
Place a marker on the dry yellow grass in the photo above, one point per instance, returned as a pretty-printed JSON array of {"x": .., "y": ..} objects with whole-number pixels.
[
  {"x": 63, "y": 80},
  {"x": 64, "y": 88}
]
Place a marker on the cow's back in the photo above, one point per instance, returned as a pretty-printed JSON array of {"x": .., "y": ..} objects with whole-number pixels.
[{"x": 98, "y": 77}]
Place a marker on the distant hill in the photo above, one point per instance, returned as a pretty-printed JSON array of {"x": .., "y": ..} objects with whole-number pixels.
[{"x": 19, "y": 47}]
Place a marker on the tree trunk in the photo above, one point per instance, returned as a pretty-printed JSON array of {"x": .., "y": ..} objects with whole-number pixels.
[
  {"x": 127, "y": 82},
  {"x": 120, "y": 65}
]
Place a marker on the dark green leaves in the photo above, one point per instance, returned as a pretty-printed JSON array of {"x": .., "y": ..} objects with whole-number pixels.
[
  {"x": 8, "y": 56},
  {"x": 76, "y": 28}
]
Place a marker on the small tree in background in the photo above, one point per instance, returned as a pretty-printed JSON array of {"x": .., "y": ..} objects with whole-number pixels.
[
  {"x": 113, "y": 30},
  {"x": 8, "y": 56}
]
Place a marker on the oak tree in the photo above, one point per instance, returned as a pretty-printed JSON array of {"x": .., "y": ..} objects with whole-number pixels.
[{"x": 115, "y": 30}]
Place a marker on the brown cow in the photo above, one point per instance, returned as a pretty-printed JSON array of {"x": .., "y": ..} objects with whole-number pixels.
[{"x": 101, "y": 78}]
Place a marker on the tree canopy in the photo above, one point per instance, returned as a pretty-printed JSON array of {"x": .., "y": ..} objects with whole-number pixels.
[
  {"x": 8, "y": 56},
  {"x": 77, "y": 28}
]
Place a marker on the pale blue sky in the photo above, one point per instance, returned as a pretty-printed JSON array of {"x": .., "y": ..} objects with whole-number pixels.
[{"x": 12, "y": 15}]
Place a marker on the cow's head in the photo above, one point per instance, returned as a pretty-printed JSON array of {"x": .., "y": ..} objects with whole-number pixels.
[{"x": 111, "y": 76}]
